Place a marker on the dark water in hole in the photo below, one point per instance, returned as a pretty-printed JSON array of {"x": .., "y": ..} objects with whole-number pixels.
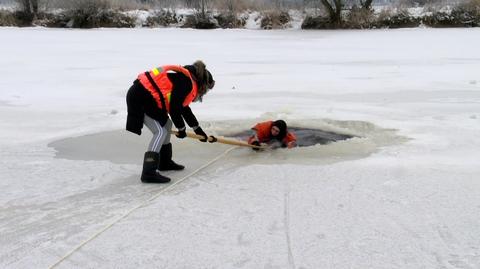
[{"x": 305, "y": 136}]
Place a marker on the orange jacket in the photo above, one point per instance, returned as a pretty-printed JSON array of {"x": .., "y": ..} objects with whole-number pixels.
[
  {"x": 160, "y": 78},
  {"x": 264, "y": 134}
]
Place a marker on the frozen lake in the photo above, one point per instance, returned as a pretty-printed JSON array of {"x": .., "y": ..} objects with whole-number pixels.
[{"x": 403, "y": 193}]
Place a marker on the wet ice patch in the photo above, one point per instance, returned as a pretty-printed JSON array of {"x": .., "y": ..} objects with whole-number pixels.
[{"x": 332, "y": 141}]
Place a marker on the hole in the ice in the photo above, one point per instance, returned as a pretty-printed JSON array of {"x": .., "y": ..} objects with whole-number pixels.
[
  {"x": 322, "y": 141},
  {"x": 305, "y": 136}
]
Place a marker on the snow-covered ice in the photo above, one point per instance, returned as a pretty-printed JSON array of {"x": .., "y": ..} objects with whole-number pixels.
[{"x": 404, "y": 194}]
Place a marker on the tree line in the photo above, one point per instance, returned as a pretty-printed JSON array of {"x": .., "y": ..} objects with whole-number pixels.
[
  {"x": 332, "y": 7},
  {"x": 333, "y": 11}
]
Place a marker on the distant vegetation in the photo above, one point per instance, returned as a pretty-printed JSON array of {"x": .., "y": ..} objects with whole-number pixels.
[{"x": 268, "y": 14}]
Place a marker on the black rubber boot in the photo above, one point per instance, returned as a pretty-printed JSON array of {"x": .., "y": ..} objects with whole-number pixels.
[
  {"x": 166, "y": 162},
  {"x": 150, "y": 173}
]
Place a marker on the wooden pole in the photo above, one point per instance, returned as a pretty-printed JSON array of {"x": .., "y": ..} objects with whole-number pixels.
[{"x": 222, "y": 140}]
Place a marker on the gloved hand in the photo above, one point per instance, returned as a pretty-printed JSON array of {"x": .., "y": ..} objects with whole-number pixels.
[
  {"x": 255, "y": 143},
  {"x": 199, "y": 131},
  {"x": 181, "y": 134},
  {"x": 291, "y": 145},
  {"x": 212, "y": 139}
]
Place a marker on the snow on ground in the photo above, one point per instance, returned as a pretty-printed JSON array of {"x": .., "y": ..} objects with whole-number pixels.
[{"x": 404, "y": 194}]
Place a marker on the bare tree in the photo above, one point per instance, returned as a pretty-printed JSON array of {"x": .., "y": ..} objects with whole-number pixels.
[
  {"x": 334, "y": 9},
  {"x": 203, "y": 8},
  {"x": 29, "y": 6},
  {"x": 278, "y": 4},
  {"x": 230, "y": 5}
]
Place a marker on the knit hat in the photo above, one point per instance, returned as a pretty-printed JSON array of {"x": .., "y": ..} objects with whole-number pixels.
[
  {"x": 209, "y": 80},
  {"x": 204, "y": 79}
]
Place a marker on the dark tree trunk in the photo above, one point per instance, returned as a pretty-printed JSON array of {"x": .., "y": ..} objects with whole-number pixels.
[
  {"x": 29, "y": 10},
  {"x": 203, "y": 8},
  {"x": 29, "y": 6},
  {"x": 334, "y": 10},
  {"x": 34, "y": 6},
  {"x": 230, "y": 6}
]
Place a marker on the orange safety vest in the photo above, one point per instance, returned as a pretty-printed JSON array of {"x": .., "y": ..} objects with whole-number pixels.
[{"x": 160, "y": 78}]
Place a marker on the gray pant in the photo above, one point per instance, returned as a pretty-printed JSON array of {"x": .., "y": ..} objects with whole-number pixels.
[{"x": 161, "y": 134}]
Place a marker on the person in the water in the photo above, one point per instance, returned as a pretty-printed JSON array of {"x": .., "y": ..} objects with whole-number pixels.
[{"x": 274, "y": 134}]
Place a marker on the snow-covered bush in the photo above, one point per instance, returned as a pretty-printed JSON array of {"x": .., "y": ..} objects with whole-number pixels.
[
  {"x": 95, "y": 13},
  {"x": 161, "y": 18},
  {"x": 55, "y": 20},
  {"x": 230, "y": 20},
  {"x": 317, "y": 22},
  {"x": 200, "y": 21},
  {"x": 7, "y": 18},
  {"x": 102, "y": 18},
  {"x": 463, "y": 15},
  {"x": 360, "y": 18},
  {"x": 274, "y": 19},
  {"x": 22, "y": 18},
  {"x": 396, "y": 18}
]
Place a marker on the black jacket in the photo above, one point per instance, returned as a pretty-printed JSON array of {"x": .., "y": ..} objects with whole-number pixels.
[{"x": 141, "y": 102}]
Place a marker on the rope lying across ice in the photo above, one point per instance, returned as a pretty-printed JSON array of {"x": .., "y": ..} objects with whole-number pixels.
[{"x": 139, "y": 206}]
